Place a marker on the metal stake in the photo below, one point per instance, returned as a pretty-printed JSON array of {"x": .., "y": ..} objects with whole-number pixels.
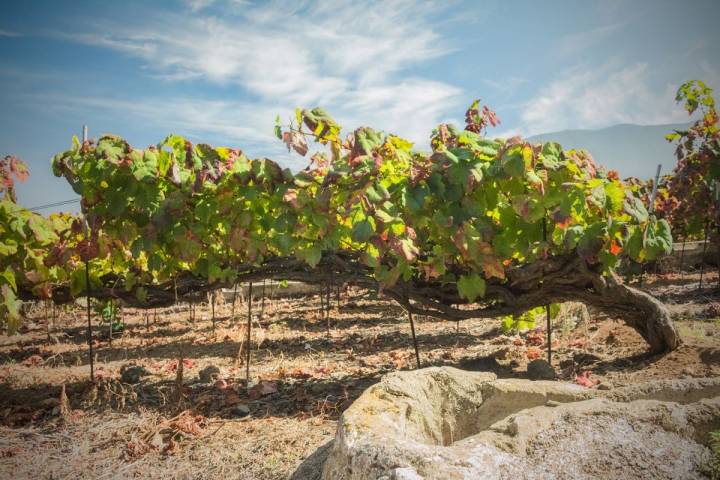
[
  {"x": 702, "y": 260},
  {"x": 414, "y": 339},
  {"x": 89, "y": 319},
  {"x": 249, "y": 326}
]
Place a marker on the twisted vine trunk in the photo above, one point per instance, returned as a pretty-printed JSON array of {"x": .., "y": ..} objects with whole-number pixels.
[
  {"x": 553, "y": 280},
  {"x": 641, "y": 311}
]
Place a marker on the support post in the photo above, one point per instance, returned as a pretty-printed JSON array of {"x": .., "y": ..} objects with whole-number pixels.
[
  {"x": 414, "y": 338},
  {"x": 89, "y": 315},
  {"x": 547, "y": 305},
  {"x": 247, "y": 346},
  {"x": 702, "y": 259},
  {"x": 262, "y": 303},
  {"x": 87, "y": 285},
  {"x": 327, "y": 307},
  {"x": 682, "y": 259},
  {"x": 232, "y": 309},
  {"x": 549, "y": 333},
  {"x": 212, "y": 307}
]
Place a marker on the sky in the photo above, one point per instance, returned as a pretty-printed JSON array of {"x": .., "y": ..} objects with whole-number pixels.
[{"x": 219, "y": 71}]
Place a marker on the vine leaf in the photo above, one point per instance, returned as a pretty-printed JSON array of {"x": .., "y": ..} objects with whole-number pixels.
[{"x": 471, "y": 286}]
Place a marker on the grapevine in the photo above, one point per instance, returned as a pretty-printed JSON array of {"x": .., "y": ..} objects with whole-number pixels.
[
  {"x": 697, "y": 174},
  {"x": 458, "y": 226}
]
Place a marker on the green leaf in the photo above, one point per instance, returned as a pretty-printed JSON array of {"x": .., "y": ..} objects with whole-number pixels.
[
  {"x": 12, "y": 305},
  {"x": 278, "y": 128},
  {"x": 311, "y": 256},
  {"x": 657, "y": 238},
  {"x": 9, "y": 277},
  {"x": 635, "y": 208},
  {"x": 372, "y": 195},
  {"x": 513, "y": 162},
  {"x": 471, "y": 286},
  {"x": 362, "y": 231},
  {"x": 551, "y": 155},
  {"x": 615, "y": 196},
  {"x": 384, "y": 216}
]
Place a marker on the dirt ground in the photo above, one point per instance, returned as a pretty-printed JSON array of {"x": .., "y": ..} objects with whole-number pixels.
[{"x": 132, "y": 422}]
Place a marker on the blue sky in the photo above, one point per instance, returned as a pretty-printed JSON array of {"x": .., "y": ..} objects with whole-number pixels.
[{"x": 218, "y": 71}]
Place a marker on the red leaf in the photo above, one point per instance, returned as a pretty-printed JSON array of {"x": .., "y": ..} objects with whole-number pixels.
[
  {"x": 262, "y": 389},
  {"x": 296, "y": 141},
  {"x": 533, "y": 353},
  {"x": 585, "y": 380}
]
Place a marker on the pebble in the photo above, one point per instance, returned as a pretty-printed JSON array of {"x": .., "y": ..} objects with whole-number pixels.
[{"x": 241, "y": 410}]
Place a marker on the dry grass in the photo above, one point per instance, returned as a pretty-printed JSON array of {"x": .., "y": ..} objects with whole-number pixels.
[{"x": 122, "y": 431}]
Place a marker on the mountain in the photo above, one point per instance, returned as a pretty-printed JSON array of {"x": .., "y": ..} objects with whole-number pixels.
[{"x": 632, "y": 150}]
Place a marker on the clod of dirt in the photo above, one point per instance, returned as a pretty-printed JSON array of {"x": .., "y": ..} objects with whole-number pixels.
[
  {"x": 209, "y": 374},
  {"x": 132, "y": 373},
  {"x": 440, "y": 423},
  {"x": 540, "y": 370}
]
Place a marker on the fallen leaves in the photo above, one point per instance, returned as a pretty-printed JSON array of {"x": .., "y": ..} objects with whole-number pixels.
[
  {"x": 533, "y": 353},
  {"x": 535, "y": 338},
  {"x": 32, "y": 361},
  {"x": 262, "y": 389},
  {"x": 172, "y": 365},
  {"x": 584, "y": 380},
  {"x": 167, "y": 435}
]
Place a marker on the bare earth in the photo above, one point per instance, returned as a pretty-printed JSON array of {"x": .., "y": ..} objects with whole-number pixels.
[{"x": 302, "y": 378}]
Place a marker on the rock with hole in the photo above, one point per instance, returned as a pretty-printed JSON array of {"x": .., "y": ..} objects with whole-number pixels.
[{"x": 442, "y": 423}]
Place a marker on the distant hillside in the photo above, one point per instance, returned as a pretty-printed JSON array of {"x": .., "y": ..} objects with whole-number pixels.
[{"x": 632, "y": 150}]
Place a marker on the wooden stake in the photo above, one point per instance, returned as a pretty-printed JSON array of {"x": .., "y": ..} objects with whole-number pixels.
[
  {"x": 414, "y": 339},
  {"x": 702, "y": 260},
  {"x": 212, "y": 303},
  {"x": 232, "y": 309},
  {"x": 262, "y": 303},
  {"x": 247, "y": 346},
  {"x": 179, "y": 377},
  {"x": 549, "y": 333},
  {"x": 47, "y": 320},
  {"x": 322, "y": 307},
  {"x": 547, "y": 305},
  {"x": 682, "y": 256},
  {"x": 112, "y": 311},
  {"x": 327, "y": 307},
  {"x": 89, "y": 319}
]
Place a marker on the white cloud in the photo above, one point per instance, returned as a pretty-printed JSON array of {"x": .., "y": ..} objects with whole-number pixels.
[
  {"x": 197, "y": 5},
  {"x": 599, "y": 97},
  {"x": 279, "y": 50},
  {"x": 573, "y": 43},
  {"x": 8, "y": 33},
  {"x": 348, "y": 57}
]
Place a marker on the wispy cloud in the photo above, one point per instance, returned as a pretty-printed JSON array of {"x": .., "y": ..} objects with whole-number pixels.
[
  {"x": 573, "y": 43},
  {"x": 8, "y": 33},
  {"x": 506, "y": 88},
  {"x": 599, "y": 97},
  {"x": 348, "y": 57},
  {"x": 197, "y": 5}
]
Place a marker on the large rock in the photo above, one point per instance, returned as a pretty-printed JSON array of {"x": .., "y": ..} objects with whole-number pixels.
[{"x": 444, "y": 423}]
